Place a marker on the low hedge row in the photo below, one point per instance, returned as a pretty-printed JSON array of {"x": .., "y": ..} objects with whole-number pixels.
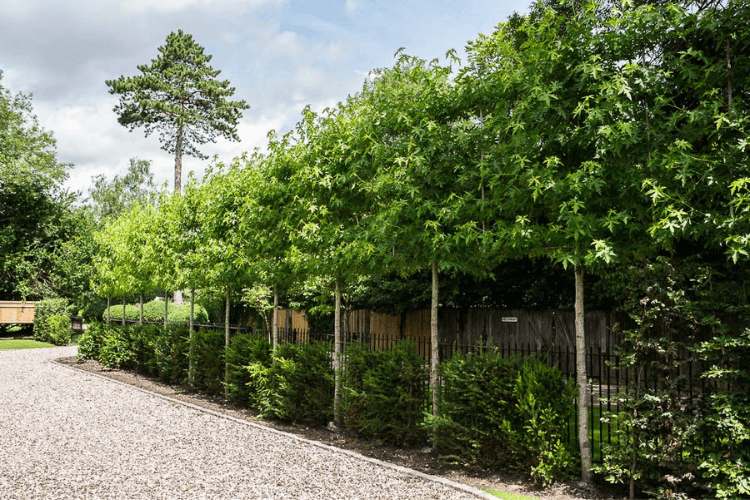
[
  {"x": 509, "y": 414},
  {"x": 154, "y": 311}
]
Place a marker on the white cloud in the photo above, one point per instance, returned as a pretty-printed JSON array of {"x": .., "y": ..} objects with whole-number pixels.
[
  {"x": 353, "y": 5},
  {"x": 141, "y": 7}
]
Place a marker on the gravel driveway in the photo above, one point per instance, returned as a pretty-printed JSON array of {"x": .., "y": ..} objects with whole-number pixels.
[{"x": 67, "y": 434}]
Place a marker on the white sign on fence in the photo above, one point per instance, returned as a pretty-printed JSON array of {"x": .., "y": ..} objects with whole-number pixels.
[{"x": 510, "y": 320}]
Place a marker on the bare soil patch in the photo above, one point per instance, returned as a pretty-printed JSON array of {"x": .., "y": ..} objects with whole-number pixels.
[{"x": 420, "y": 459}]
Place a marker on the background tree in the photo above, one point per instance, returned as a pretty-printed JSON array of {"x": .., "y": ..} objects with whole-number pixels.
[
  {"x": 111, "y": 198},
  {"x": 179, "y": 95},
  {"x": 45, "y": 241}
]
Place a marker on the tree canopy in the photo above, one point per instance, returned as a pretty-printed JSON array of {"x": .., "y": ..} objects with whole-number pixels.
[{"x": 179, "y": 96}]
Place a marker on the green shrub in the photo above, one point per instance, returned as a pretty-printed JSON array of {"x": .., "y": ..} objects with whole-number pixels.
[
  {"x": 154, "y": 311},
  {"x": 115, "y": 351},
  {"x": 245, "y": 350},
  {"x": 298, "y": 385},
  {"x": 48, "y": 325},
  {"x": 207, "y": 352},
  {"x": 59, "y": 330},
  {"x": 504, "y": 413},
  {"x": 142, "y": 340},
  {"x": 171, "y": 354},
  {"x": 91, "y": 340},
  {"x": 384, "y": 393}
]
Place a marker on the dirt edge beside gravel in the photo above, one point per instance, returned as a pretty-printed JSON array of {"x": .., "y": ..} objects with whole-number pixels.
[{"x": 416, "y": 462}]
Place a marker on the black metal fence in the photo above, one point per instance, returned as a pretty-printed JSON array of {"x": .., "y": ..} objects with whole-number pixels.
[{"x": 609, "y": 381}]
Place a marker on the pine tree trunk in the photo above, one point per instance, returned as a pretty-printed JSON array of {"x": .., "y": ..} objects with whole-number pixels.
[
  {"x": 337, "y": 355},
  {"x": 178, "y": 162},
  {"x": 434, "y": 341},
  {"x": 275, "y": 320},
  {"x": 581, "y": 379}
]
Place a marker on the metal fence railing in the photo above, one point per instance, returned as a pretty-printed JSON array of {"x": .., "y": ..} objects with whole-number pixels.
[{"x": 609, "y": 381}]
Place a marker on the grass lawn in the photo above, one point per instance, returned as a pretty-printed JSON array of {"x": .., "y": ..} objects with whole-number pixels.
[
  {"x": 7, "y": 344},
  {"x": 508, "y": 496}
]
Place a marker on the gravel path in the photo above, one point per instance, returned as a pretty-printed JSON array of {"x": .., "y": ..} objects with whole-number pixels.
[{"x": 67, "y": 434}]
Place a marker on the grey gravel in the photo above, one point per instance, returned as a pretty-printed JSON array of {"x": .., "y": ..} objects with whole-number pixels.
[{"x": 68, "y": 434}]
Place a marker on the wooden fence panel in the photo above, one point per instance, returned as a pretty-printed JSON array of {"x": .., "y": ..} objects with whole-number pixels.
[
  {"x": 16, "y": 312},
  {"x": 512, "y": 328}
]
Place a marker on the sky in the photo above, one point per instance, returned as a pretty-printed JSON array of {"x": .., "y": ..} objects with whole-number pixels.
[{"x": 280, "y": 55}]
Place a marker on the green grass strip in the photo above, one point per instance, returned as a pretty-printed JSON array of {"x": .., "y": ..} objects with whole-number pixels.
[
  {"x": 508, "y": 496},
  {"x": 9, "y": 344}
]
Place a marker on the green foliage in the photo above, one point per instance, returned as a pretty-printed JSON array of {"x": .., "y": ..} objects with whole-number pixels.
[
  {"x": 298, "y": 385},
  {"x": 115, "y": 350},
  {"x": 692, "y": 309},
  {"x": 51, "y": 322},
  {"x": 385, "y": 393},
  {"x": 45, "y": 240},
  {"x": 207, "y": 353},
  {"x": 504, "y": 413},
  {"x": 112, "y": 198},
  {"x": 245, "y": 350},
  {"x": 171, "y": 349},
  {"x": 154, "y": 311},
  {"x": 91, "y": 340},
  {"x": 58, "y": 329}
]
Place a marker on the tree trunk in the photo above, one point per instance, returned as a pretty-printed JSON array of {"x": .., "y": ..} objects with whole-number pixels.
[
  {"x": 166, "y": 309},
  {"x": 581, "y": 379},
  {"x": 192, "y": 311},
  {"x": 108, "y": 308},
  {"x": 275, "y": 320},
  {"x": 122, "y": 321},
  {"x": 226, "y": 341},
  {"x": 337, "y": 355},
  {"x": 434, "y": 341},
  {"x": 140, "y": 316},
  {"x": 190, "y": 329},
  {"x": 178, "y": 162}
]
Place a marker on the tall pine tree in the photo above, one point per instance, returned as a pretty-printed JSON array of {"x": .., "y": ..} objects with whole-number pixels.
[{"x": 179, "y": 95}]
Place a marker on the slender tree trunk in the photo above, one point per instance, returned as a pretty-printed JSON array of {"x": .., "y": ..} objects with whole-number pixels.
[
  {"x": 275, "y": 320},
  {"x": 226, "y": 341},
  {"x": 192, "y": 310},
  {"x": 140, "y": 307},
  {"x": 122, "y": 321},
  {"x": 581, "y": 379},
  {"x": 434, "y": 341},
  {"x": 190, "y": 350},
  {"x": 337, "y": 355},
  {"x": 109, "y": 304},
  {"x": 178, "y": 162},
  {"x": 166, "y": 309}
]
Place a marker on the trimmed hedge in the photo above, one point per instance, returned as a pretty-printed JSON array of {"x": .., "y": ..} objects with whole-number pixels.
[
  {"x": 505, "y": 413},
  {"x": 51, "y": 322},
  {"x": 154, "y": 311},
  {"x": 385, "y": 393},
  {"x": 298, "y": 384},
  {"x": 243, "y": 351}
]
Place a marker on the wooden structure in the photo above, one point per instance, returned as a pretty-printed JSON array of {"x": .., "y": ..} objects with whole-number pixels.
[
  {"x": 531, "y": 330},
  {"x": 15, "y": 312}
]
